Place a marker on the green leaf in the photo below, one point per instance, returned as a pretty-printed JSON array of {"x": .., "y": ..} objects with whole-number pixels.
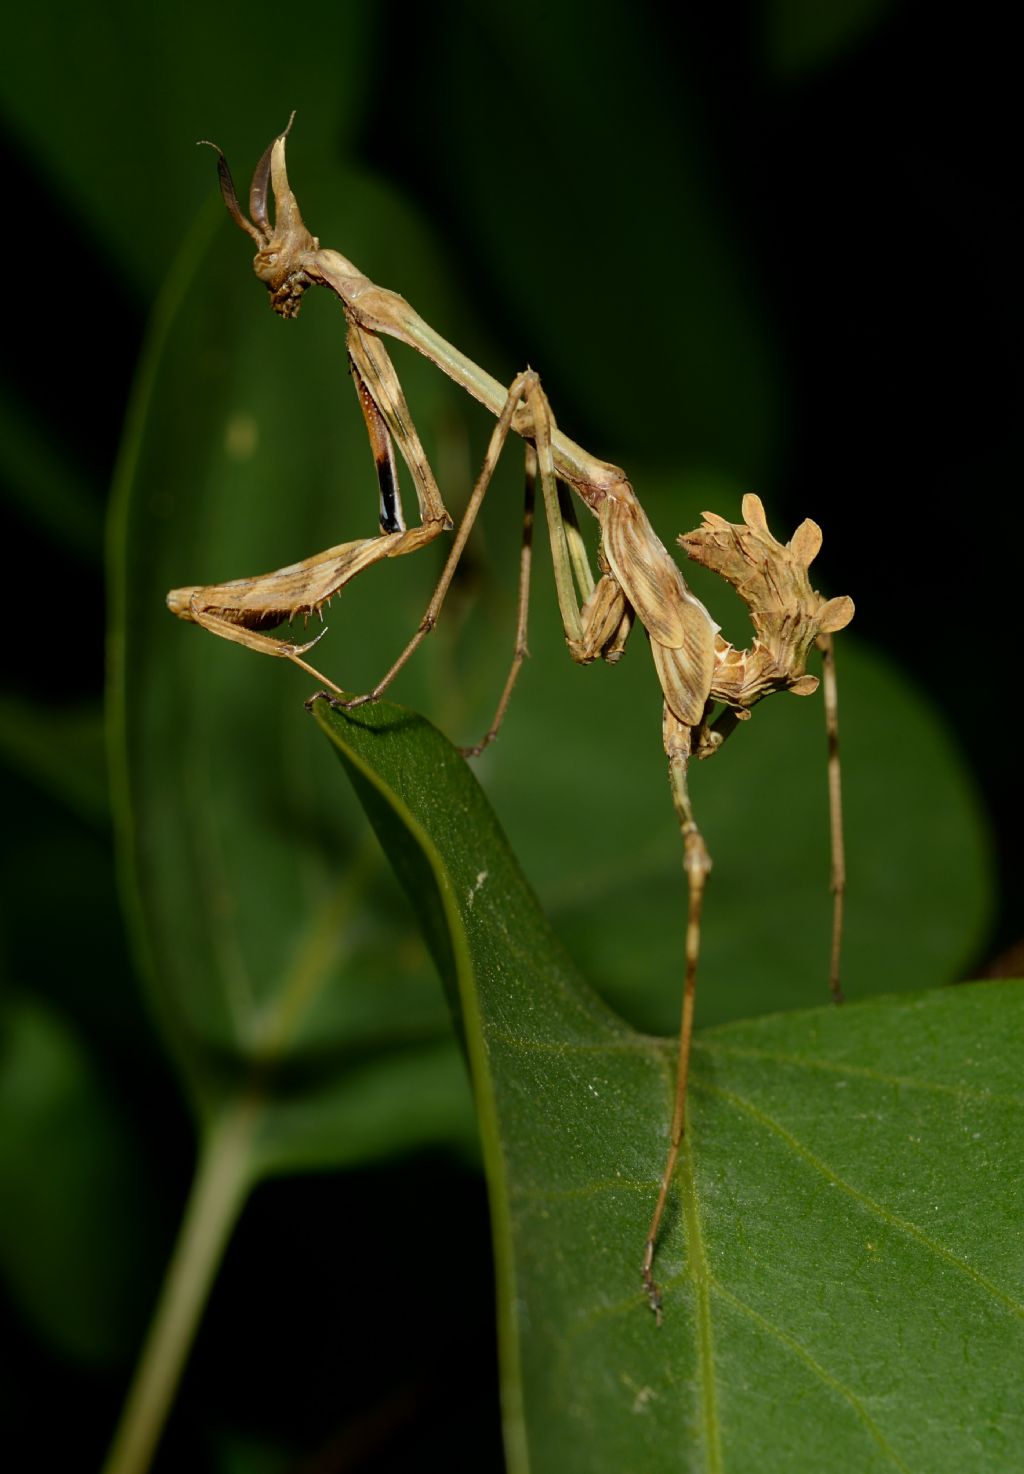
[{"x": 840, "y": 1260}]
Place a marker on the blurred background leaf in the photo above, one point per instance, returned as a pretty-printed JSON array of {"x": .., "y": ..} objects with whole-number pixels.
[
  {"x": 72, "y": 1161},
  {"x": 250, "y": 906},
  {"x": 745, "y": 249}
]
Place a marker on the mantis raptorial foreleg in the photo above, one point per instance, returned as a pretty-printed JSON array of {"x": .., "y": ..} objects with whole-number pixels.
[
  {"x": 709, "y": 687},
  {"x": 241, "y": 609},
  {"x": 386, "y": 411}
]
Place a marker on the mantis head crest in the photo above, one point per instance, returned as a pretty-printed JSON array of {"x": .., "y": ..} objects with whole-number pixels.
[{"x": 283, "y": 246}]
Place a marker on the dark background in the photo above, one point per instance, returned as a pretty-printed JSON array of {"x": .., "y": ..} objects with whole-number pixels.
[{"x": 773, "y": 243}]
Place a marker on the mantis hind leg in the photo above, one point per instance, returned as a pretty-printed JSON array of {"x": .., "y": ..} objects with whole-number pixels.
[
  {"x": 679, "y": 746},
  {"x": 835, "y": 811}
]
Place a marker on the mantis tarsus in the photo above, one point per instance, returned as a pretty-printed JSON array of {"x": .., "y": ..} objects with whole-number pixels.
[{"x": 699, "y": 671}]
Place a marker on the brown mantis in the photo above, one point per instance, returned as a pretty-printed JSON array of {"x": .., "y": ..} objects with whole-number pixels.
[{"x": 699, "y": 671}]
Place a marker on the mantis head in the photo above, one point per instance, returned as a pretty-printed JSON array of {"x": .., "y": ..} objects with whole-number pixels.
[{"x": 283, "y": 246}]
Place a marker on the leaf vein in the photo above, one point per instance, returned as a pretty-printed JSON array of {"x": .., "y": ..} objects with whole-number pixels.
[
  {"x": 865, "y": 1072},
  {"x": 701, "y": 1275},
  {"x": 815, "y": 1366},
  {"x": 886, "y": 1215}
]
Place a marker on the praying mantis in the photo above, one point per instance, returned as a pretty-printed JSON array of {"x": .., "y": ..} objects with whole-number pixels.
[{"x": 709, "y": 687}]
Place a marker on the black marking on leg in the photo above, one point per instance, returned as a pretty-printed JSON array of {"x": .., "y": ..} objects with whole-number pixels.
[{"x": 390, "y": 507}]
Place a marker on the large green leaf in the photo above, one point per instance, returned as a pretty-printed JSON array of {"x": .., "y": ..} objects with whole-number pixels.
[{"x": 841, "y": 1261}]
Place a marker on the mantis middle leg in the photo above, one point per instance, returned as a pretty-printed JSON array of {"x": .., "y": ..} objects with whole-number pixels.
[{"x": 596, "y": 618}]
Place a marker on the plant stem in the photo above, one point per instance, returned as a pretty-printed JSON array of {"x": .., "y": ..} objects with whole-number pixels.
[{"x": 219, "y": 1189}]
